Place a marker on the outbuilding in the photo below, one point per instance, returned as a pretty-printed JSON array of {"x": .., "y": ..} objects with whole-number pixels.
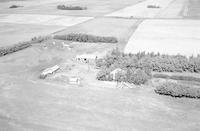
[
  {"x": 49, "y": 71},
  {"x": 74, "y": 80},
  {"x": 116, "y": 71},
  {"x": 86, "y": 58}
]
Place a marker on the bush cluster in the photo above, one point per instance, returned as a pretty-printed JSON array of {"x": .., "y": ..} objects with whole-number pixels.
[
  {"x": 147, "y": 62},
  {"x": 134, "y": 76},
  {"x": 177, "y": 77},
  {"x": 39, "y": 39},
  {"x": 86, "y": 38},
  {"x": 153, "y": 6},
  {"x": 132, "y": 71},
  {"x": 64, "y": 7},
  {"x": 15, "y": 6},
  {"x": 137, "y": 77},
  {"x": 178, "y": 90}
]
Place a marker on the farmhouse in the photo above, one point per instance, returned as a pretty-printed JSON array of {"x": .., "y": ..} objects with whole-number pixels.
[{"x": 49, "y": 71}]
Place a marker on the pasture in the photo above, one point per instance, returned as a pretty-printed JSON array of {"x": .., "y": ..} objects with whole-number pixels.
[
  {"x": 29, "y": 103},
  {"x": 13, "y": 33},
  {"x": 53, "y": 106}
]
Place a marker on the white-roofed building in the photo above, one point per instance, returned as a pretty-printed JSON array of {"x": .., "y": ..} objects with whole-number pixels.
[{"x": 49, "y": 71}]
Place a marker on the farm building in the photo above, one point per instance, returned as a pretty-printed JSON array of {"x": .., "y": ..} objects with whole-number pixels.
[
  {"x": 74, "y": 80},
  {"x": 87, "y": 58},
  {"x": 116, "y": 71},
  {"x": 49, "y": 71}
]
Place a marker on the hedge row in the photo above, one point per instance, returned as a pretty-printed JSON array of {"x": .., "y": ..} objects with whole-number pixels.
[
  {"x": 154, "y": 62},
  {"x": 177, "y": 77},
  {"x": 20, "y": 46},
  {"x": 7, "y": 50},
  {"x": 178, "y": 90},
  {"x": 147, "y": 63},
  {"x": 64, "y": 7},
  {"x": 86, "y": 38},
  {"x": 168, "y": 63}
]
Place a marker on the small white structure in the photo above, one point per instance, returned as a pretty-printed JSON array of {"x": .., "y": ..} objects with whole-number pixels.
[
  {"x": 89, "y": 57},
  {"x": 49, "y": 71},
  {"x": 65, "y": 45},
  {"x": 114, "y": 72},
  {"x": 74, "y": 80},
  {"x": 86, "y": 57}
]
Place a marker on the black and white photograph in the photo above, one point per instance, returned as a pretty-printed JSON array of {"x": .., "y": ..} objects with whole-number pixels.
[{"x": 99, "y": 65}]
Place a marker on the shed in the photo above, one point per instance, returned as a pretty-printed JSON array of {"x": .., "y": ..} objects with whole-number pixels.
[
  {"x": 74, "y": 80},
  {"x": 114, "y": 72}
]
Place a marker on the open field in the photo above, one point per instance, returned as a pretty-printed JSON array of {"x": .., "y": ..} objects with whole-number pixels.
[
  {"x": 43, "y": 19},
  {"x": 29, "y": 103},
  {"x": 122, "y": 29},
  {"x": 13, "y": 33},
  {"x": 24, "y": 27},
  {"x": 10, "y": 0},
  {"x": 176, "y": 9},
  {"x": 41, "y": 105},
  {"x": 141, "y": 11},
  {"x": 192, "y": 9},
  {"x": 168, "y": 9},
  {"x": 94, "y": 7},
  {"x": 166, "y": 36}
]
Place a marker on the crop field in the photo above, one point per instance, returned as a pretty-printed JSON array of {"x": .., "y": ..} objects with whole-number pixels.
[
  {"x": 193, "y": 9},
  {"x": 94, "y": 7},
  {"x": 30, "y": 103},
  {"x": 24, "y": 27},
  {"x": 140, "y": 10},
  {"x": 167, "y": 37},
  {"x": 119, "y": 28},
  {"x": 43, "y": 19}
]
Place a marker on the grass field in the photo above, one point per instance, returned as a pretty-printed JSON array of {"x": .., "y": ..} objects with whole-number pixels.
[
  {"x": 13, "y": 33},
  {"x": 141, "y": 11},
  {"x": 193, "y": 9},
  {"x": 24, "y": 27},
  {"x": 29, "y": 103},
  {"x": 43, "y": 19},
  {"x": 94, "y": 7}
]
